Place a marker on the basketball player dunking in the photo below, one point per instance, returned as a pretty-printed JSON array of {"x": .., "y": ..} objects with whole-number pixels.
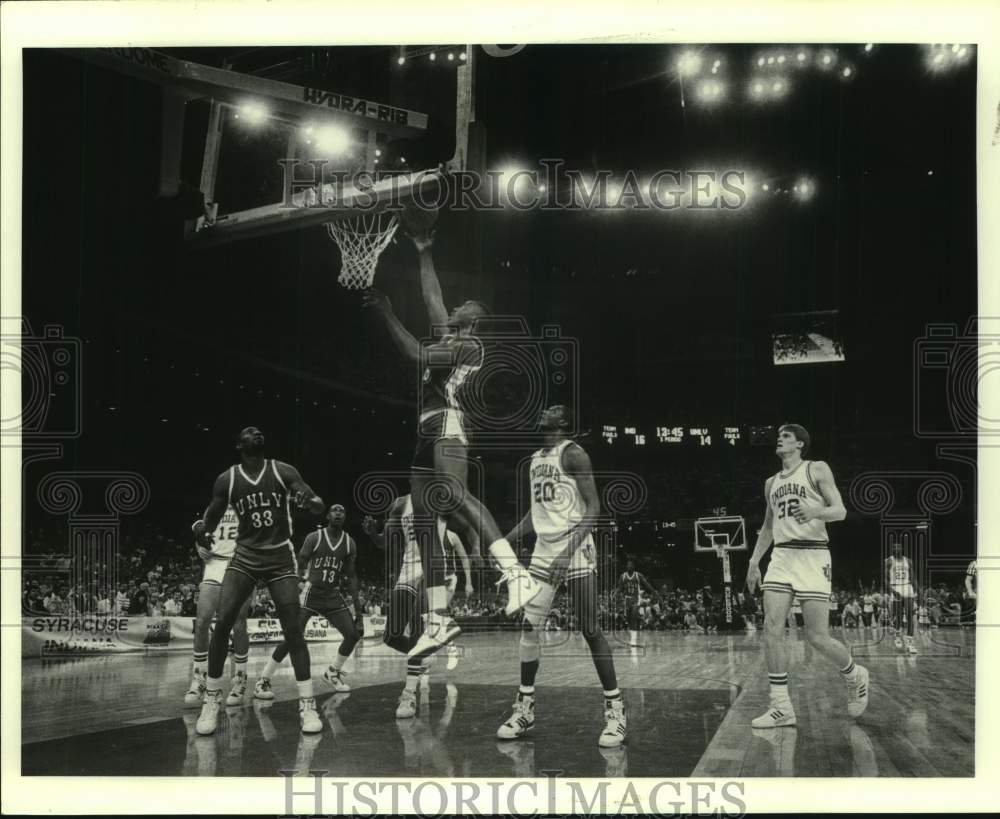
[
  {"x": 261, "y": 490},
  {"x": 405, "y": 607},
  {"x": 216, "y": 562},
  {"x": 899, "y": 578},
  {"x": 439, "y": 482},
  {"x": 326, "y": 558},
  {"x": 629, "y": 585},
  {"x": 801, "y": 499},
  {"x": 564, "y": 510}
]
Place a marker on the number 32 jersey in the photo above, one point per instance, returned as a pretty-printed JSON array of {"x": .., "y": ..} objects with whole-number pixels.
[
  {"x": 789, "y": 492},
  {"x": 263, "y": 506}
]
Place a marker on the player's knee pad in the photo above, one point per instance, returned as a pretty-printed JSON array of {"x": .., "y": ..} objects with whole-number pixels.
[{"x": 529, "y": 649}]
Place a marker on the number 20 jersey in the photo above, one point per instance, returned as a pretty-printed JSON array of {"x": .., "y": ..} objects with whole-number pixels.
[
  {"x": 556, "y": 505},
  {"x": 797, "y": 488}
]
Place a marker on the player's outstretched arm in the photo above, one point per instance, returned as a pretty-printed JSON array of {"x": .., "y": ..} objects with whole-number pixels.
[
  {"x": 430, "y": 286},
  {"x": 576, "y": 462},
  {"x": 401, "y": 337},
  {"x": 302, "y": 495},
  {"x": 306, "y": 553},
  {"x": 370, "y": 527},
  {"x": 834, "y": 509},
  {"x": 765, "y": 537},
  {"x": 351, "y": 573},
  {"x": 204, "y": 527}
]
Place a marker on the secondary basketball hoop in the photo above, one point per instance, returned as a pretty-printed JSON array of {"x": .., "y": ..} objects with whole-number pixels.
[
  {"x": 361, "y": 238},
  {"x": 722, "y": 535}
]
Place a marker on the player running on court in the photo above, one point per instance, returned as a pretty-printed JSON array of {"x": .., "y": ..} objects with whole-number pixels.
[
  {"x": 629, "y": 585},
  {"x": 439, "y": 474},
  {"x": 801, "y": 499},
  {"x": 564, "y": 511},
  {"x": 326, "y": 558},
  {"x": 216, "y": 561},
  {"x": 405, "y": 603},
  {"x": 899, "y": 579},
  {"x": 261, "y": 491}
]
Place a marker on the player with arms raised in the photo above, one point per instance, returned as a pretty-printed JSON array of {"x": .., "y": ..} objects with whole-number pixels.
[
  {"x": 261, "y": 491},
  {"x": 216, "y": 561},
  {"x": 565, "y": 509},
  {"x": 327, "y": 557},
  {"x": 898, "y": 574},
  {"x": 439, "y": 474},
  {"x": 801, "y": 499}
]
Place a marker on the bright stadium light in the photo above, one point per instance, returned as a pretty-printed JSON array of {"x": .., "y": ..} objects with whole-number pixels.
[
  {"x": 827, "y": 59},
  {"x": 801, "y": 57},
  {"x": 689, "y": 63},
  {"x": 463, "y": 56},
  {"x": 804, "y": 189},
  {"x": 451, "y": 56},
  {"x": 760, "y": 62},
  {"x": 781, "y": 59},
  {"x": 252, "y": 112},
  {"x": 869, "y": 47},
  {"x": 333, "y": 140},
  {"x": 400, "y": 60},
  {"x": 711, "y": 91},
  {"x": 378, "y": 152},
  {"x": 770, "y": 60},
  {"x": 757, "y": 89},
  {"x": 847, "y": 72},
  {"x": 432, "y": 56}
]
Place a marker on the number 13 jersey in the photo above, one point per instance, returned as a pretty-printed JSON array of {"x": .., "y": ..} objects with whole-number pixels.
[
  {"x": 556, "y": 505},
  {"x": 788, "y": 492},
  {"x": 263, "y": 506}
]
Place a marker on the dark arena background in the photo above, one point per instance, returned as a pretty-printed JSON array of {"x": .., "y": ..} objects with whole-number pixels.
[{"x": 836, "y": 292}]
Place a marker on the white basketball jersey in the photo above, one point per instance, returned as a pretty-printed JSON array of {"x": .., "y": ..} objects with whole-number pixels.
[
  {"x": 225, "y": 534},
  {"x": 411, "y": 553},
  {"x": 556, "y": 504},
  {"x": 899, "y": 571},
  {"x": 788, "y": 492}
]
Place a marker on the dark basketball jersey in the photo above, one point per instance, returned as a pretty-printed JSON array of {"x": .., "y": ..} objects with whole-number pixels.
[
  {"x": 262, "y": 504},
  {"x": 447, "y": 367},
  {"x": 630, "y": 584},
  {"x": 327, "y": 560}
]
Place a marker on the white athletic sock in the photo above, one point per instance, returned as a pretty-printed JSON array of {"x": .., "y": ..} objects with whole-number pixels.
[
  {"x": 305, "y": 689},
  {"x": 633, "y": 637},
  {"x": 214, "y": 684},
  {"x": 239, "y": 664},
  {"x": 413, "y": 674},
  {"x": 200, "y": 663},
  {"x": 338, "y": 661},
  {"x": 503, "y": 554},
  {"x": 270, "y": 669}
]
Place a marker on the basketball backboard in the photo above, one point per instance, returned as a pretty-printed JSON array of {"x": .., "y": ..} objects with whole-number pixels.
[
  {"x": 728, "y": 533},
  {"x": 283, "y": 138}
]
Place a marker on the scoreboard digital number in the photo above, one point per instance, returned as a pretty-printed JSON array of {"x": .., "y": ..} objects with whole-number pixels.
[
  {"x": 609, "y": 433},
  {"x": 670, "y": 435},
  {"x": 638, "y": 438},
  {"x": 689, "y": 436},
  {"x": 701, "y": 435},
  {"x": 731, "y": 435}
]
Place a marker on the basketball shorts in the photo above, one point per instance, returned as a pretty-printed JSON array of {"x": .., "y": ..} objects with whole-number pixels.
[
  {"x": 215, "y": 568},
  {"x": 322, "y": 602},
  {"x": 432, "y": 427},
  {"x": 266, "y": 564},
  {"x": 802, "y": 572},
  {"x": 411, "y": 575},
  {"x": 583, "y": 562},
  {"x": 905, "y": 591}
]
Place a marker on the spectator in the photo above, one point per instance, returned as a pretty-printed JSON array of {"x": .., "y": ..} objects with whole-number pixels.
[
  {"x": 189, "y": 606},
  {"x": 139, "y": 603},
  {"x": 172, "y": 608},
  {"x": 103, "y": 604}
]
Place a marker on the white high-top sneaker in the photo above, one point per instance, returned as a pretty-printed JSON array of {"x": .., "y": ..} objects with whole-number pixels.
[
  {"x": 521, "y": 720},
  {"x": 262, "y": 689},
  {"x": 407, "y": 707},
  {"x": 857, "y": 693},
  {"x": 194, "y": 694},
  {"x": 209, "y": 717},
  {"x": 308, "y": 716},
  {"x": 779, "y": 715},
  {"x": 521, "y": 588},
  {"x": 238, "y": 690},
  {"x": 615, "y": 725},
  {"x": 335, "y": 678}
]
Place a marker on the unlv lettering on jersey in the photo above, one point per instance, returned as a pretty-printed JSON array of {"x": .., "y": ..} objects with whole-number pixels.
[{"x": 259, "y": 500}]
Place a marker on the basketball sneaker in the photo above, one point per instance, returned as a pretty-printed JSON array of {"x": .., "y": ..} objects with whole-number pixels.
[
  {"x": 521, "y": 588},
  {"x": 898, "y": 642},
  {"x": 311, "y": 723},
  {"x": 238, "y": 690},
  {"x": 407, "y": 707},
  {"x": 909, "y": 645},
  {"x": 522, "y": 719},
  {"x": 195, "y": 693},
  {"x": 335, "y": 677},
  {"x": 262, "y": 689},
  {"x": 615, "y": 725},
  {"x": 779, "y": 715},
  {"x": 209, "y": 717},
  {"x": 857, "y": 693},
  {"x": 453, "y": 656}
]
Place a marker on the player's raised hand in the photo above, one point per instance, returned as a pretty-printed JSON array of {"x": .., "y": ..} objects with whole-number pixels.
[
  {"x": 753, "y": 577},
  {"x": 302, "y": 499},
  {"x": 202, "y": 537},
  {"x": 376, "y": 299},
  {"x": 203, "y": 553}
]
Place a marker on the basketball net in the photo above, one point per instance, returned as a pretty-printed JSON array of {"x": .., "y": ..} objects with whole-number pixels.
[{"x": 361, "y": 238}]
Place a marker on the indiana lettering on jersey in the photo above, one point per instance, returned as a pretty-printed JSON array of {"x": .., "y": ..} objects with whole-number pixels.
[
  {"x": 258, "y": 500},
  {"x": 786, "y": 489},
  {"x": 545, "y": 470}
]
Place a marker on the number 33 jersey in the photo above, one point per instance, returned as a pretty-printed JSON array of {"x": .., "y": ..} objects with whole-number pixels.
[
  {"x": 263, "y": 506},
  {"x": 789, "y": 492},
  {"x": 556, "y": 505}
]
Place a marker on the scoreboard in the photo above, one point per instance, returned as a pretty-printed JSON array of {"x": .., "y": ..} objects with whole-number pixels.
[{"x": 622, "y": 435}]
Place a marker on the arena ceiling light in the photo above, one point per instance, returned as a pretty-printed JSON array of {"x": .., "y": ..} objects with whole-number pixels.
[
  {"x": 252, "y": 112},
  {"x": 801, "y": 58},
  {"x": 826, "y": 59},
  {"x": 332, "y": 140},
  {"x": 711, "y": 91},
  {"x": 689, "y": 63},
  {"x": 804, "y": 189}
]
